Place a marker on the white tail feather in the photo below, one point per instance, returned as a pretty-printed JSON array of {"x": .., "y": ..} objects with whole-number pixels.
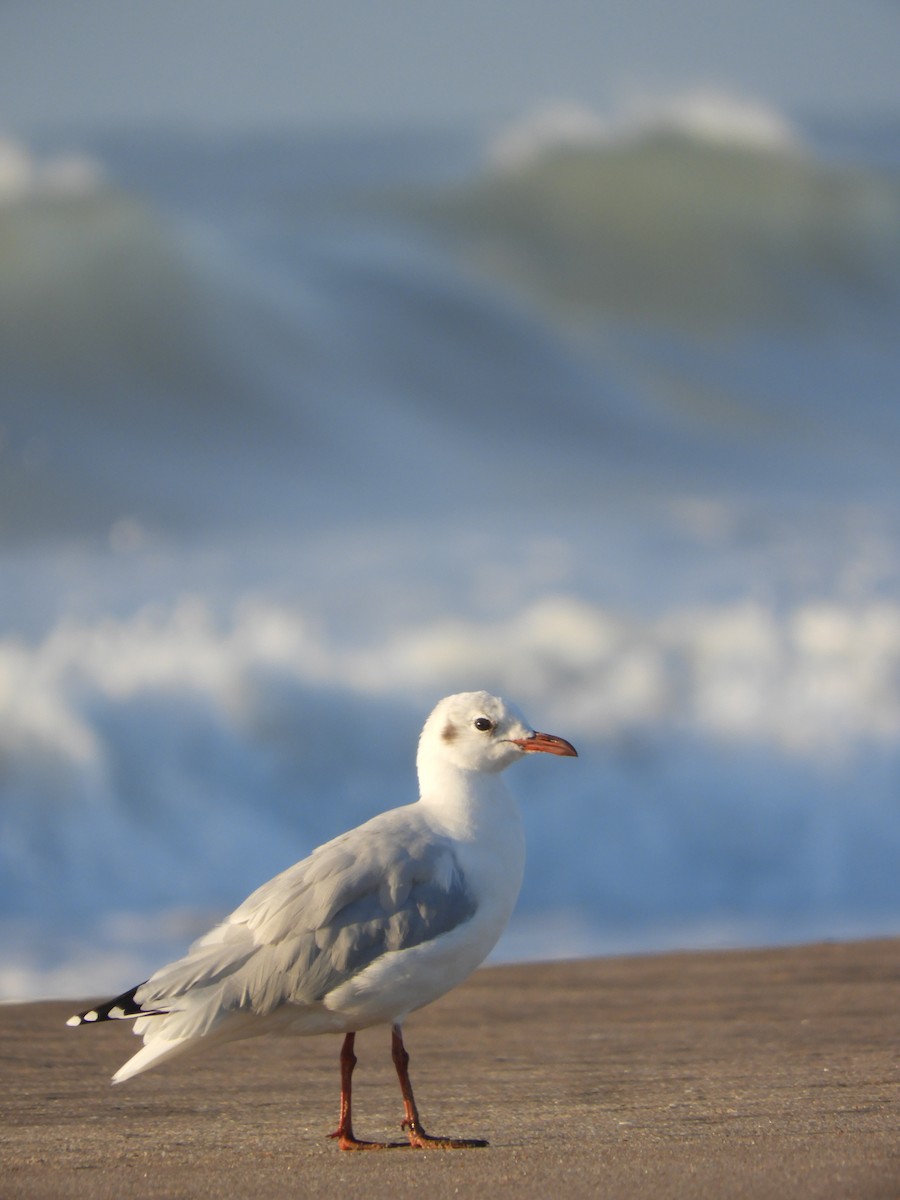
[{"x": 154, "y": 1052}]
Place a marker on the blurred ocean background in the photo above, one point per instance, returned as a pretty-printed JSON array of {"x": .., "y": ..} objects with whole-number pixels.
[{"x": 304, "y": 427}]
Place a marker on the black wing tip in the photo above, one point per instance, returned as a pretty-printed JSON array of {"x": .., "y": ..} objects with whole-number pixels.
[{"x": 121, "y": 1008}]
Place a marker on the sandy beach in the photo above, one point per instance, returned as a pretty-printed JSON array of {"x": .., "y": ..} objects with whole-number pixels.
[{"x": 723, "y": 1074}]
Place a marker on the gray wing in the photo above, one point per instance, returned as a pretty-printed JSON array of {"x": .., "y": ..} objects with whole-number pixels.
[{"x": 389, "y": 885}]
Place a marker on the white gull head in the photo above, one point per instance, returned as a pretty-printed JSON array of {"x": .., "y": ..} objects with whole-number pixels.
[{"x": 478, "y": 732}]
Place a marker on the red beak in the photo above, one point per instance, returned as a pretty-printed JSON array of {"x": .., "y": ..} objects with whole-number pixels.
[{"x": 547, "y": 743}]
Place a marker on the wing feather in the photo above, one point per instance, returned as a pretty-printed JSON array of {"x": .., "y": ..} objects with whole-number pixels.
[{"x": 387, "y": 886}]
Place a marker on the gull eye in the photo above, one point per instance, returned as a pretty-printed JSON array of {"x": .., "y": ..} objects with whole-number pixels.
[{"x": 483, "y": 724}]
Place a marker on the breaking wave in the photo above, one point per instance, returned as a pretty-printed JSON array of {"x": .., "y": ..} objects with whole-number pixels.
[
  {"x": 173, "y": 755},
  {"x": 700, "y": 214},
  {"x": 25, "y": 175},
  {"x": 703, "y": 115}
]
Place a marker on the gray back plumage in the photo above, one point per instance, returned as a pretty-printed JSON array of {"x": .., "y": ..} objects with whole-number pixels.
[{"x": 388, "y": 885}]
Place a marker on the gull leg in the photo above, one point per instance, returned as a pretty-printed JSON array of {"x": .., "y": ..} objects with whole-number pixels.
[
  {"x": 418, "y": 1138},
  {"x": 344, "y": 1132}
]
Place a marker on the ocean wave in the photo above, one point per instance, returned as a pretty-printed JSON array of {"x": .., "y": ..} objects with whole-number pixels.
[
  {"x": 173, "y": 760},
  {"x": 137, "y": 347},
  {"x": 706, "y": 115},
  {"x": 275, "y": 477},
  {"x": 689, "y": 222},
  {"x": 278, "y": 373},
  {"x": 817, "y": 679},
  {"x": 25, "y": 175}
]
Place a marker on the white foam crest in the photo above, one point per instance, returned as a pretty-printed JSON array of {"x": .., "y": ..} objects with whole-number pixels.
[
  {"x": 176, "y": 755},
  {"x": 820, "y": 677},
  {"x": 558, "y": 124},
  {"x": 703, "y": 114},
  {"x": 37, "y": 719},
  {"x": 713, "y": 115},
  {"x": 24, "y": 174},
  {"x": 180, "y": 649}
]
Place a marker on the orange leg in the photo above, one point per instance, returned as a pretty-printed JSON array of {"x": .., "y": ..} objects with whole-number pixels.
[
  {"x": 344, "y": 1132},
  {"x": 411, "y": 1123}
]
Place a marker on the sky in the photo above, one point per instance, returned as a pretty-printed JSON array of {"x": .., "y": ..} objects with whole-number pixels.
[{"x": 232, "y": 63}]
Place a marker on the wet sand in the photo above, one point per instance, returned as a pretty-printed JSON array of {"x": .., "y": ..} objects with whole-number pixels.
[{"x": 728, "y": 1074}]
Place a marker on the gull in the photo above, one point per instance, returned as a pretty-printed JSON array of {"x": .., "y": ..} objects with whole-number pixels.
[{"x": 373, "y": 925}]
